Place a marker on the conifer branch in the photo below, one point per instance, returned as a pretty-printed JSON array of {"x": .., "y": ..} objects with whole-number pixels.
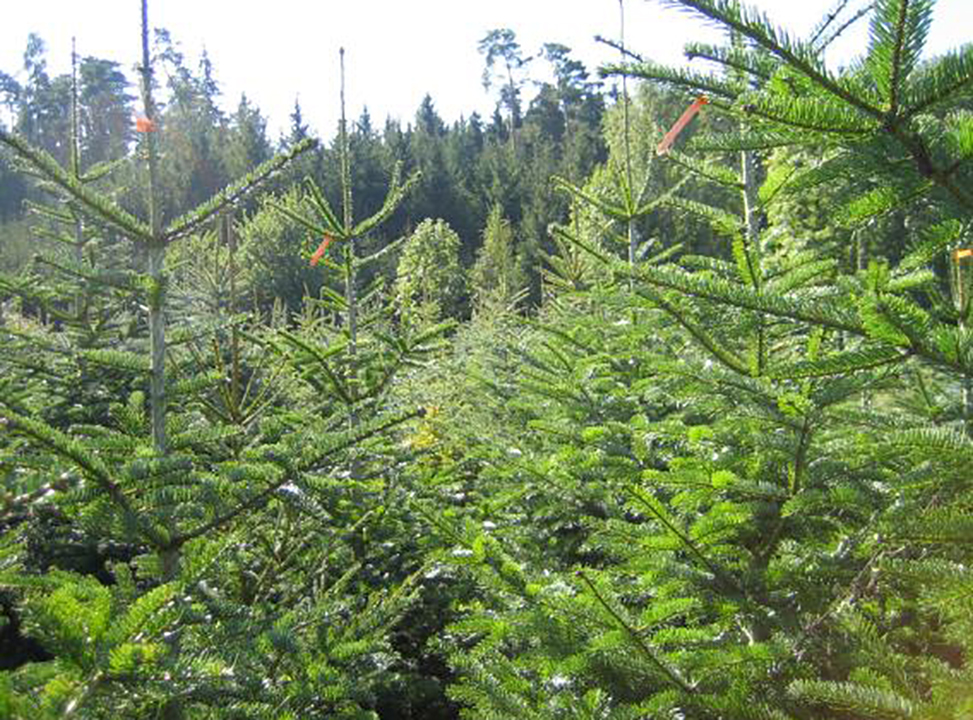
[
  {"x": 673, "y": 677},
  {"x": 69, "y": 449},
  {"x": 95, "y": 203},
  {"x": 323, "y": 206},
  {"x": 841, "y": 363},
  {"x": 812, "y": 114},
  {"x": 827, "y": 21},
  {"x": 751, "y": 25},
  {"x": 390, "y": 248},
  {"x": 395, "y": 196},
  {"x": 731, "y": 58},
  {"x": 55, "y": 214},
  {"x": 13, "y": 503},
  {"x": 217, "y": 522},
  {"x": 563, "y": 234},
  {"x": 119, "y": 280},
  {"x": 815, "y": 311},
  {"x": 681, "y": 80},
  {"x": 612, "y": 210},
  {"x": 840, "y": 30},
  {"x": 321, "y": 360},
  {"x": 234, "y": 193},
  {"x": 854, "y": 699},
  {"x": 728, "y": 358},
  {"x": 102, "y": 169},
  {"x": 312, "y": 227},
  {"x": 922, "y": 158},
  {"x": 719, "y": 174},
  {"x": 615, "y": 45},
  {"x": 941, "y": 81},
  {"x": 763, "y": 139},
  {"x": 897, "y": 50},
  {"x": 310, "y": 463},
  {"x": 800, "y": 461},
  {"x": 719, "y": 573}
]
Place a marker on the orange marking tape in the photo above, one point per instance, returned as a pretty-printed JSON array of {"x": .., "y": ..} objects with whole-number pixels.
[
  {"x": 144, "y": 125},
  {"x": 681, "y": 123},
  {"x": 962, "y": 253},
  {"x": 319, "y": 253}
]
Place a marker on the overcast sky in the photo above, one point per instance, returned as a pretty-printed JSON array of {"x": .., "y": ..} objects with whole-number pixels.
[{"x": 396, "y": 50}]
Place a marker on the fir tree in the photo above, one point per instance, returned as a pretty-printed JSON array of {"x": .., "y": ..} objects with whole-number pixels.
[
  {"x": 138, "y": 479},
  {"x": 496, "y": 277},
  {"x": 298, "y": 129},
  {"x": 429, "y": 283},
  {"x": 721, "y": 558}
]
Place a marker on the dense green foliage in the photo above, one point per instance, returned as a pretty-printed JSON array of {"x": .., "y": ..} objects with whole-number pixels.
[{"x": 551, "y": 426}]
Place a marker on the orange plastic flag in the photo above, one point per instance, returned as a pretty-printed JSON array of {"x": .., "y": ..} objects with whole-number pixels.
[
  {"x": 681, "y": 123},
  {"x": 319, "y": 253},
  {"x": 962, "y": 253},
  {"x": 144, "y": 125}
]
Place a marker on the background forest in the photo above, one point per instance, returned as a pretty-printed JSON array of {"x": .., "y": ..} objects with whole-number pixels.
[{"x": 546, "y": 415}]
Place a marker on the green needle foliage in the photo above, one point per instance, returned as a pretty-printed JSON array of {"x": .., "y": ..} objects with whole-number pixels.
[
  {"x": 227, "y": 567},
  {"x": 720, "y": 473},
  {"x": 738, "y": 496}
]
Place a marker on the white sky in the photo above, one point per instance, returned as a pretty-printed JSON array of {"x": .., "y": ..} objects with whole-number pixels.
[{"x": 396, "y": 50}]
